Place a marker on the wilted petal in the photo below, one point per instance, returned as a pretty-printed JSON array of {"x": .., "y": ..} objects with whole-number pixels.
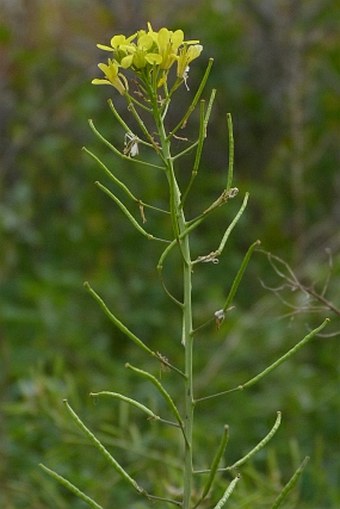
[
  {"x": 194, "y": 51},
  {"x": 187, "y": 55}
]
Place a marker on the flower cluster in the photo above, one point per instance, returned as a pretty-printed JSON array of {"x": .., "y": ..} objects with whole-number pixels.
[{"x": 147, "y": 52}]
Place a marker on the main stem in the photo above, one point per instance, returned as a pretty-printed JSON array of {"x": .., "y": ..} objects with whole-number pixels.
[{"x": 179, "y": 225}]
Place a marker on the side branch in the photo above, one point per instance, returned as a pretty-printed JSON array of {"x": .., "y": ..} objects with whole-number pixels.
[
  {"x": 117, "y": 322},
  {"x": 204, "y": 120},
  {"x": 162, "y": 391},
  {"x": 136, "y": 404},
  {"x": 257, "y": 447},
  {"x": 227, "y": 493},
  {"x": 71, "y": 487},
  {"x": 239, "y": 275},
  {"x": 290, "y": 484},
  {"x": 214, "y": 255},
  {"x": 121, "y": 185},
  {"x": 194, "y": 223},
  {"x": 182, "y": 123},
  {"x": 113, "y": 462},
  {"x": 128, "y": 214},
  {"x": 231, "y": 151},
  {"x": 163, "y": 360},
  {"x": 251, "y": 453},
  {"x": 118, "y": 153},
  {"x": 270, "y": 368},
  {"x": 214, "y": 465}
]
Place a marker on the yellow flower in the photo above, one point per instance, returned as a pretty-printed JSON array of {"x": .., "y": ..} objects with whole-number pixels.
[
  {"x": 150, "y": 50},
  {"x": 186, "y": 55},
  {"x": 168, "y": 43},
  {"x": 142, "y": 53},
  {"x": 112, "y": 77},
  {"x": 118, "y": 42},
  {"x": 145, "y": 44}
]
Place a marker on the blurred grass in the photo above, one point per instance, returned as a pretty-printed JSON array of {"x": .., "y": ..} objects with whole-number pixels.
[{"x": 57, "y": 231}]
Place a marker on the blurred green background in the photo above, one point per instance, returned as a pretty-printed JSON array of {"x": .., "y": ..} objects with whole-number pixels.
[{"x": 277, "y": 71}]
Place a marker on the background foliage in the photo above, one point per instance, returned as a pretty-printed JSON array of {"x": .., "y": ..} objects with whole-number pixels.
[{"x": 277, "y": 71}]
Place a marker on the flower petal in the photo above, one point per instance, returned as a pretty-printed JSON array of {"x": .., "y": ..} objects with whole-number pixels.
[
  {"x": 126, "y": 61},
  {"x": 163, "y": 38},
  {"x": 145, "y": 41},
  {"x": 177, "y": 38},
  {"x": 98, "y": 81},
  {"x": 118, "y": 40},
  {"x": 153, "y": 58},
  {"x": 105, "y": 48}
]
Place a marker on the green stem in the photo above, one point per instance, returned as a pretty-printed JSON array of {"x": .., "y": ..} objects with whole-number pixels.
[{"x": 179, "y": 228}]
